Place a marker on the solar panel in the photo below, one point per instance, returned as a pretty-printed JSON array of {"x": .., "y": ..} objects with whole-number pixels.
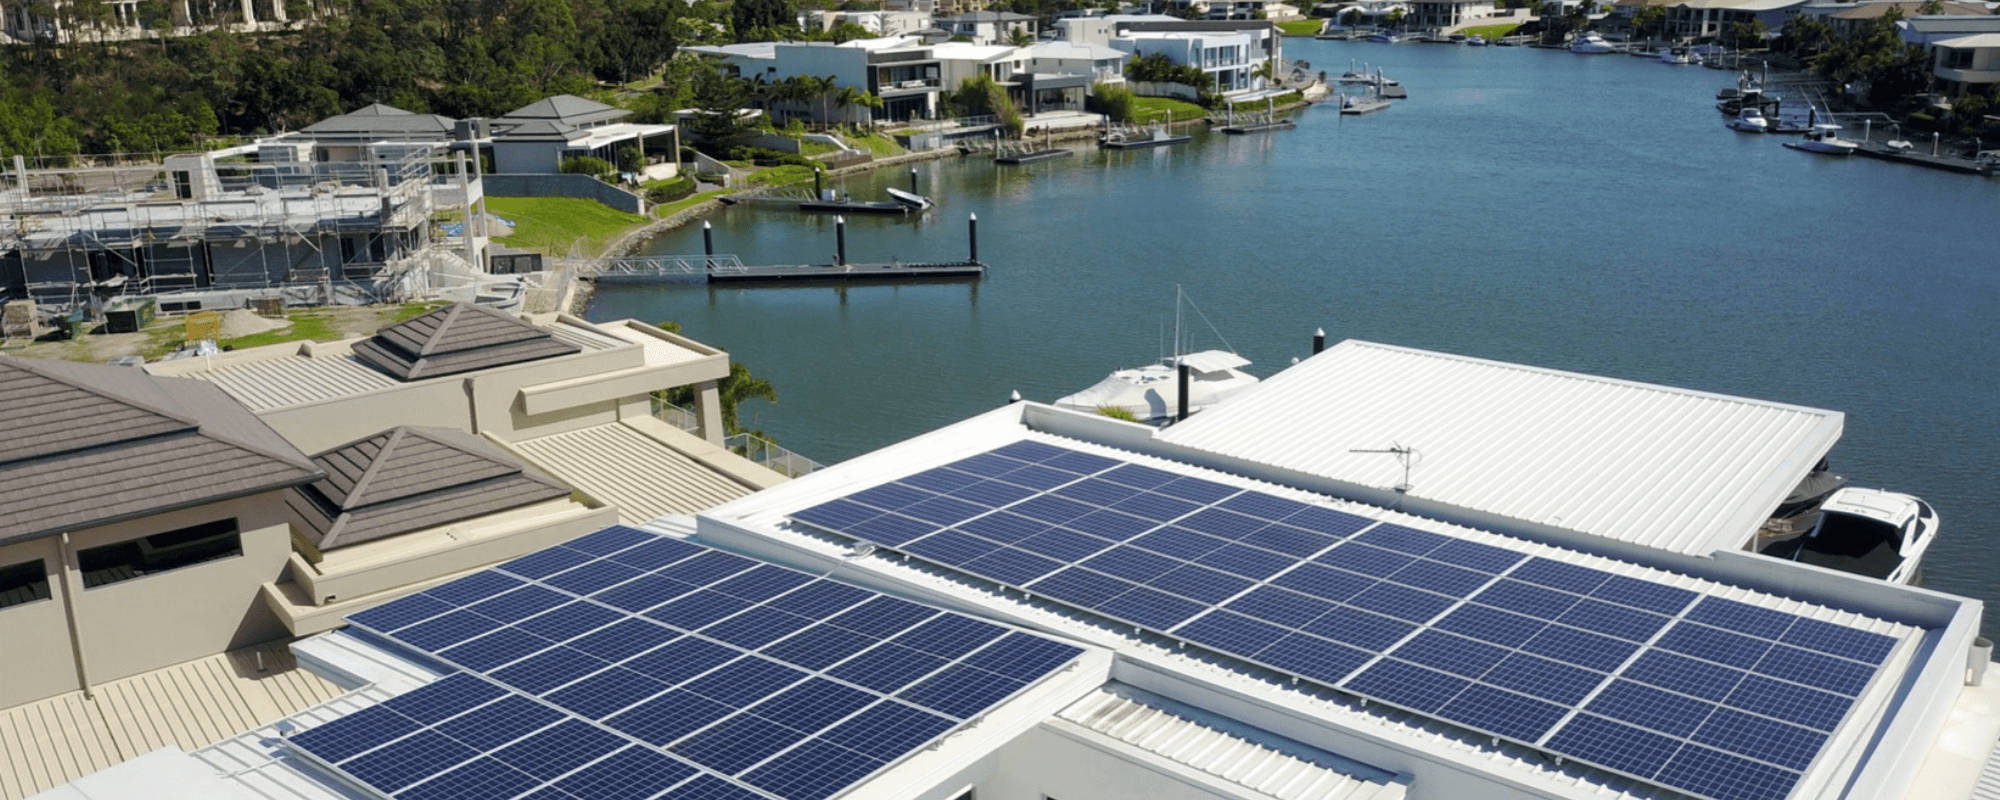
[
  {"x": 1535, "y": 649},
  {"x": 632, "y": 664}
]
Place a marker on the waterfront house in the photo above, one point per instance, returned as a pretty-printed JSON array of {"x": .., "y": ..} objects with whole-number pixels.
[
  {"x": 877, "y": 23},
  {"x": 536, "y": 138},
  {"x": 1037, "y": 602},
  {"x": 1228, "y": 55},
  {"x": 1849, "y": 19},
  {"x": 1701, "y": 19},
  {"x": 1437, "y": 14},
  {"x": 1060, "y": 74},
  {"x": 990, "y": 27},
  {"x": 1966, "y": 64},
  {"x": 1929, "y": 30}
]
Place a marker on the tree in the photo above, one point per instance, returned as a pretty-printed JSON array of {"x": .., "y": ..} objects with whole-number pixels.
[
  {"x": 1352, "y": 18},
  {"x": 732, "y": 390},
  {"x": 1395, "y": 18},
  {"x": 1931, "y": 7},
  {"x": 1019, "y": 37},
  {"x": 1745, "y": 34},
  {"x": 718, "y": 123},
  {"x": 849, "y": 96},
  {"x": 1651, "y": 21}
]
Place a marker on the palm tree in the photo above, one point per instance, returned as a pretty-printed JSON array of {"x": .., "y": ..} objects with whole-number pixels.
[
  {"x": 822, "y": 87},
  {"x": 849, "y": 96}
]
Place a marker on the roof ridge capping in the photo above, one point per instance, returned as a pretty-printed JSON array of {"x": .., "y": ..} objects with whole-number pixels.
[{"x": 461, "y": 337}]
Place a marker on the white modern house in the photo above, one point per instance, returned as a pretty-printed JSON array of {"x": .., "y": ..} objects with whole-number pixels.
[
  {"x": 1969, "y": 63},
  {"x": 1428, "y": 14},
  {"x": 1695, "y": 19},
  {"x": 990, "y": 27},
  {"x": 1228, "y": 57}
]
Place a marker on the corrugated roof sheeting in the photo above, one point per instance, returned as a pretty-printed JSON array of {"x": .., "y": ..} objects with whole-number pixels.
[
  {"x": 619, "y": 465},
  {"x": 294, "y": 380},
  {"x": 1679, "y": 470},
  {"x": 1988, "y": 787},
  {"x": 1246, "y": 762}
]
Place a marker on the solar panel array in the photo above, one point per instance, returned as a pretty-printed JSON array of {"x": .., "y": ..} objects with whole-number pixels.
[
  {"x": 1696, "y": 692},
  {"x": 632, "y": 665}
]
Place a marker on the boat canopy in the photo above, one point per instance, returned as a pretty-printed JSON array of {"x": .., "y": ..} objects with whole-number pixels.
[{"x": 1214, "y": 361}]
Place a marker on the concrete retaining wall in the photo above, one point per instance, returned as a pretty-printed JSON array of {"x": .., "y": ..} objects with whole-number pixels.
[{"x": 580, "y": 186}]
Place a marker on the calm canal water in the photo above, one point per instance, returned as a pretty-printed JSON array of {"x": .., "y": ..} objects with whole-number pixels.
[{"x": 1579, "y": 213}]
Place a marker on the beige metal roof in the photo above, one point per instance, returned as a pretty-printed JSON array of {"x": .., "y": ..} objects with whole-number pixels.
[
  {"x": 1254, "y": 764},
  {"x": 294, "y": 380},
  {"x": 51, "y": 742},
  {"x": 1674, "y": 469},
  {"x": 629, "y": 464},
  {"x": 1969, "y": 42}
]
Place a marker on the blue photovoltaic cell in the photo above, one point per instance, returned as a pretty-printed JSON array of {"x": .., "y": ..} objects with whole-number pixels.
[
  {"x": 814, "y": 771},
  {"x": 1401, "y": 539},
  {"x": 551, "y": 753},
  {"x": 1685, "y": 675},
  {"x": 1230, "y": 633},
  {"x": 342, "y": 738},
  {"x": 1081, "y": 463},
  {"x": 1522, "y": 598},
  {"x": 1442, "y": 578},
  {"x": 1372, "y": 632},
  {"x": 1013, "y": 567},
  {"x": 993, "y": 494},
  {"x": 1788, "y": 746},
  {"x": 944, "y": 510},
  {"x": 813, "y": 705},
  {"x": 1313, "y": 658},
  {"x": 444, "y": 631},
  {"x": 669, "y": 717},
  {"x": 756, "y": 627},
  {"x": 595, "y": 576},
  {"x": 1613, "y": 620},
  {"x": 546, "y": 562},
  {"x": 680, "y": 660},
  {"x": 443, "y": 699},
  {"x": 1400, "y": 602},
  {"x": 420, "y": 756},
  {"x": 401, "y": 613},
  {"x": 519, "y": 604},
  {"x": 819, "y": 647},
  {"x": 1743, "y": 618},
  {"x": 1294, "y": 542},
  {"x": 1374, "y": 562},
  {"x": 961, "y": 691},
  {"x": 642, "y": 593},
  {"x": 1131, "y": 563},
  {"x": 883, "y": 617},
  {"x": 762, "y": 583},
  {"x": 1704, "y": 771},
  {"x": 1491, "y": 625},
  {"x": 1095, "y": 492},
  {"x": 1407, "y": 685},
  {"x": 1326, "y": 583},
  {"x": 1197, "y": 490},
  {"x": 951, "y": 547},
  {"x": 942, "y": 480},
  {"x": 1473, "y": 555},
  {"x": 494, "y": 724},
  {"x": 1139, "y": 476},
  {"x": 1080, "y": 587},
  {"x": 1711, "y": 644},
  {"x": 950, "y": 635},
  {"x": 1158, "y": 508},
  {"x": 1839, "y": 640},
  {"x": 733, "y": 745},
  {"x": 1063, "y": 545},
  {"x": 1647, "y": 707},
  {"x": 1248, "y": 562},
  {"x": 564, "y": 622},
  {"x": 479, "y": 778},
  {"x": 1178, "y": 542},
  {"x": 1517, "y": 717},
  {"x": 1051, "y": 509},
  {"x": 489, "y": 652},
  {"x": 1222, "y": 524},
  {"x": 744, "y": 681},
  {"x": 657, "y": 553},
  {"x": 1037, "y": 477},
  {"x": 891, "y": 496},
  {"x": 1263, "y": 506},
  {"x": 1815, "y": 670},
  {"x": 1540, "y": 677},
  {"x": 1003, "y": 527},
  {"x": 1582, "y": 648},
  {"x": 1615, "y": 745},
  {"x": 624, "y": 639},
  {"x": 891, "y": 529},
  {"x": 887, "y": 668},
  {"x": 697, "y": 610},
  {"x": 1559, "y": 575},
  {"x": 1110, "y": 525},
  {"x": 820, "y": 600},
  {"x": 709, "y": 787},
  {"x": 888, "y": 729},
  {"x": 707, "y": 568},
  {"x": 1279, "y": 607},
  {"x": 541, "y": 673},
  {"x": 606, "y": 693},
  {"x": 1022, "y": 657},
  {"x": 1454, "y": 654},
  {"x": 1030, "y": 451},
  {"x": 838, "y": 515},
  {"x": 1150, "y": 608},
  {"x": 631, "y": 772},
  {"x": 986, "y": 464},
  {"x": 1338, "y": 524},
  {"x": 610, "y": 540},
  {"x": 1655, "y": 597}
]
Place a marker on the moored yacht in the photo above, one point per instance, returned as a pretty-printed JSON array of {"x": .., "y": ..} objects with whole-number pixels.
[
  {"x": 1590, "y": 44},
  {"x": 1679, "y": 55},
  {"x": 1825, "y": 138},
  {"x": 1749, "y": 120}
]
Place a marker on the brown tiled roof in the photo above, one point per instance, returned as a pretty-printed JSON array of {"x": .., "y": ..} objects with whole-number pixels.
[
  {"x": 461, "y": 337},
  {"x": 89, "y": 444},
  {"x": 409, "y": 478}
]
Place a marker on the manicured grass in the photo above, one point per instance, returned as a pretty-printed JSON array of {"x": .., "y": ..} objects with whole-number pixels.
[
  {"x": 552, "y": 224},
  {"x": 1300, "y": 27},
  {"x": 808, "y": 147},
  {"x": 779, "y": 175},
  {"x": 317, "y": 326},
  {"x": 1491, "y": 32},
  {"x": 1147, "y": 110},
  {"x": 881, "y": 144},
  {"x": 690, "y": 201}
]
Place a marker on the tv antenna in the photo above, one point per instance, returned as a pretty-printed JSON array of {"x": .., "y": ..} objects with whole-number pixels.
[{"x": 1405, "y": 456}]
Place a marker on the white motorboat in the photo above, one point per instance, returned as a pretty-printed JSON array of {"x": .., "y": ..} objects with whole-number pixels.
[
  {"x": 1475, "y": 40},
  {"x": 1866, "y": 532},
  {"x": 1152, "y": 393},
  {"x": 1749, "y": 120},
  {"x": 1386, "y": 37},
  {"x": 1590, "y": 44},
  {"x": 1825, "y": 138},
  {"x": 1679, "y": 55}
]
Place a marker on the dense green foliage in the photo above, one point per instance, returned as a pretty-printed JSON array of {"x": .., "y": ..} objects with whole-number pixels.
[{"x": 1112, "y": 100}]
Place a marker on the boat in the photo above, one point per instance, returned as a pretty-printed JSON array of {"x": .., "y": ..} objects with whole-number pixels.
[
  {"x": 1749, "y": 120},
  {"x": 1131, "y": 140},
  {"x": 1590, "y": 44},
  {"x": 1152, "y": 393},
  {"x": 1682, "y": 55},
  {"x": 1386, "y": 37},
  {"x": 1868, "y": 532},
  {"x": 1825, "y": 138},
  {"x": 1475, "y": 40}
]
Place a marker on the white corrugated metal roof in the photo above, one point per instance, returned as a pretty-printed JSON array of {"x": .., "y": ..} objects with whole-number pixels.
[
  {"x": 1253, "y": 764},
  {"x": 1680, "y": 470},
  {"x": 292, "y": 380},
  {"x": 1988, "y": 787}
]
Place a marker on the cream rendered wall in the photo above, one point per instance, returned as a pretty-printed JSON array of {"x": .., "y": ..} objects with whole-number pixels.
[
  {"x": 327, "y": 424},
  {"x": 34, "y": 637},
  {"x": 166, "y": 618}
]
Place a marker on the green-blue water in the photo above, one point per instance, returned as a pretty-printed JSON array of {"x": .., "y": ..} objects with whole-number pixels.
[{"x": 1579, "y": 213}]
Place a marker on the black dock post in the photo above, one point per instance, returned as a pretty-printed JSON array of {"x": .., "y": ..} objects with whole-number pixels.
[
  {"x": 818, "y": 193},
  {"x": 1319, "y": 340},
  {"x": 972, "y": 234},
  {"x": 840, "y": 241},
  {"x": 708, "y": 243},
  {"x": 1182, "y": 412},
  {"x": 913, "y": 180}
]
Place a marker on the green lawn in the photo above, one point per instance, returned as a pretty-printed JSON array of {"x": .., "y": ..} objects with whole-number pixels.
[
  {"x": 881, "y": 144},
  {"x": 1491, "y": 32},
  {"x": 552, "y": 224},
  {"x": 780, "y": 175},
  {"x": 687, "y": 202},
  {"x": 1147, "y": 110},
  {"x": 1300, "y": 27}
]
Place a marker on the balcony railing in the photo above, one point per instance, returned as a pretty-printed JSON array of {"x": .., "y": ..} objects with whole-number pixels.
[{"x": 770, "y": 456}]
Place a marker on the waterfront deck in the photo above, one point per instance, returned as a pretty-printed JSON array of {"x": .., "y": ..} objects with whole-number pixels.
[
  {"x": 1038, "y": 155},
  {"x": 730, "y": 269},
  {"x": 1961, "y": 166}
]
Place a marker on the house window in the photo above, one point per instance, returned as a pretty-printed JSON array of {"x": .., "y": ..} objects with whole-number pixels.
[
  {"x": 159, "y": 552},
  {"x": 21, "y": 584},
  {"x": 1955, "y": 58}
]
